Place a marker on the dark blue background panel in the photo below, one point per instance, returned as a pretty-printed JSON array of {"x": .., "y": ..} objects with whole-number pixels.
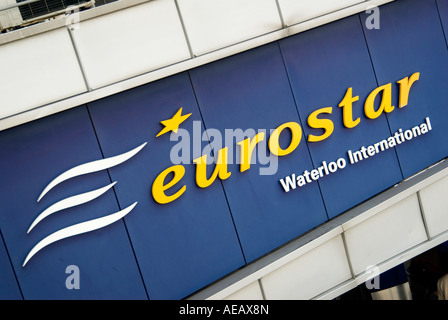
[
  {"x": 411, "y": 39},
  {"x": 190, "y": 242},
  {"x": 37, "y": 152},
  {"x": 251, "y": 91},
  {"x": 9, "y": 289},
  {"x": 322, "y": 64}
]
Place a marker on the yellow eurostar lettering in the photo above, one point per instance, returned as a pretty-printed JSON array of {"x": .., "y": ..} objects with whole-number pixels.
[
  {"x": 274, "y": 145},
  {"x": 347, "y": 109},
  {"x": 326, "y": 124},
  {"x": 247, "y": 147},
  {"x": 386, "y": 102},
  {"x": 220, "y": 169},
  {"x": 159, "y": 187},
  {"x": 405, "y": 86}
]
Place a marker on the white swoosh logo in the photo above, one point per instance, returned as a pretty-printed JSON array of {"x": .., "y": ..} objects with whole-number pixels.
[
  {"x": 70, "y": 202},
  {"x": 77, "y": 229},
  {"x": 79, "y": 199},
  {"x": 90, "y": 167}
]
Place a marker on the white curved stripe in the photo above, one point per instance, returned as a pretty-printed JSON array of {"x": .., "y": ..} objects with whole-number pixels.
[
  {"x": 77, "y": 229},
  {"x": 70, "y": 202},
  {"x": 90, "y": 167}
]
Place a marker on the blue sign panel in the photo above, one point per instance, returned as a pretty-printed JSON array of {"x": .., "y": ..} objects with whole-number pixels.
[
  {"x": 158, "y": 191},
  {"x": 102, "y": 260},
  {"x": 188, "y": 243},
  {"x": 327, "y": 65},
  {"x": 411, "y": 40},
  {"x": 250, "y": 92}
]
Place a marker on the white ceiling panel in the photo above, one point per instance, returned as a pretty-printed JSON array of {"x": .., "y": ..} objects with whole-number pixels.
[{"x": 214, "y": 24}]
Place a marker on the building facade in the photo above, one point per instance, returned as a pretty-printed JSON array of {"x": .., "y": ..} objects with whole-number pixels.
[{"x": 187, "y": 150}]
